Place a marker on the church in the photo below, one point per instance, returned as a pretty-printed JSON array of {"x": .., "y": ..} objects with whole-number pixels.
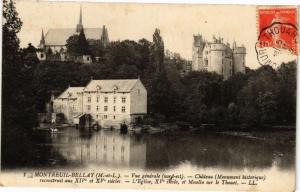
[{"x": 53, "y": 44}]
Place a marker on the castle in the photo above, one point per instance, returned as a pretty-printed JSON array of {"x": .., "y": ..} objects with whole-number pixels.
[
  {"x": 218, "y": 57},
  {"x": 53, "y": 45}
]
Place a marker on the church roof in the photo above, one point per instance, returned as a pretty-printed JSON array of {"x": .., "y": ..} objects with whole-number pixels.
[
  {"x": 71, "y": 93},
  {"x": 59, "y": 36},
  {"x": 120, "y": 85}
]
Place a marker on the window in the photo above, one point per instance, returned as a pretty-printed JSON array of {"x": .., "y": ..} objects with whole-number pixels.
[
  {"x": 206, "y": 62},
  {"x": 139, "y": 92},
  {"x": 105, "y": 99},
  {"x": 114, "y": 108},
  {"x": 123, "y": 99},
  {"x": 114, "y": 117},
  {"x": 88, "y": 107},
  {"x": 104, "y": 116},
  {"x": 97, "y": 108},
  {"x": 42, "y": 55},
  {"x": 89, "y": 99},
  {"x": 115, "y": 99},
  {"x": 105, "y": 108},
  {"x": 97, "y": 116},
  {"x": 88, "y": 58},
  {"x": 123, "y": 109},
  {"x": 97, "y": 99}
]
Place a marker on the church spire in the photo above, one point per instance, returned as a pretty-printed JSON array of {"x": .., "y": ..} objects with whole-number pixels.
[
  {"x": 42, "y": 42},
  {"x": 80, "y": 16},
  {"x": 79, "y": 25}
]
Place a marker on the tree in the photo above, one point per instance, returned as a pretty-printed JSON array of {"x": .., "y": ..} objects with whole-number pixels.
[
  {"x": 158, "y": 51},
  {"x": 83, "y": 45},
  {"x": 18, "y": 109},
  {"x": 77, "y": 45},
  {"x": 286, "y": 93},
  {"x": 72, "y": 45}
]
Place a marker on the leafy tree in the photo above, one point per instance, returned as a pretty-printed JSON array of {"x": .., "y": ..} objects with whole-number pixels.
[
  {"x": 72, "y": 45},
  {"x": 18, "y": 101},
  {"x": 286, "y": 93},
  {"x": 77, "y": 45},
  {"x": 158, "y": 50},
  {"x": 83, "y": 46}
]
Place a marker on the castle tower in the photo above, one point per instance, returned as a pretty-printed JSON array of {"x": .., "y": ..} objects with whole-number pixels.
[
  {"x": 79, "y": 26},
  {"x": 104, "y": 37},
  {"x": 42, "y": 41},
  {"x": 198, "y": 46},
  {"x": 239, "y": 54},
  {"x": 216, "y": 56}
]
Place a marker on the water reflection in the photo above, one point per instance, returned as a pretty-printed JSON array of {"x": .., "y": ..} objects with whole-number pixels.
[
  {"x": 212, "y": 150},
  {"x": 101, "y": 148}
]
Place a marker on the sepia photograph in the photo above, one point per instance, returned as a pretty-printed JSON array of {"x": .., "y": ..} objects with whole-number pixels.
[{"x": 149, "y": 96}]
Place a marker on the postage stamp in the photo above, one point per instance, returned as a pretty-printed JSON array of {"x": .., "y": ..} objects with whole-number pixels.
[{"x": 277, "y": 35}]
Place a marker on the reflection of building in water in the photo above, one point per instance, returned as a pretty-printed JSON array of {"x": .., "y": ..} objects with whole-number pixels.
[{"x": 106, "y": 148}]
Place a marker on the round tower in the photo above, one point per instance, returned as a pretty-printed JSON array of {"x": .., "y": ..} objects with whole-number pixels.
[
  {"x": 216, "y": 57},
  {"x": 198, "y": 46},
  {"x": 239, "y": 54}
]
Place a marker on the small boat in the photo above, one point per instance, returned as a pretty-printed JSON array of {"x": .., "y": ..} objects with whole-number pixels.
[
  {"x": 153, "y": 130},
  {"x": 96, "y": 127},
  {"x": 53, "y": 130}
]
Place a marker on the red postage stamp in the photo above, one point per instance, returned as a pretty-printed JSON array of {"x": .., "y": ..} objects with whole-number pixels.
[{"x": 277, "y": 34}]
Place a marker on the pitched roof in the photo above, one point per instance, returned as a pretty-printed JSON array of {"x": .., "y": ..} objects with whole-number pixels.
[
  {"x": 120, "y": 85},
  {"x": 71, "y": 93},
  {"x": 59, "y": 36}
]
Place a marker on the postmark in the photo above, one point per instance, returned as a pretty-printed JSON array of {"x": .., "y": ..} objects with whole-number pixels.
[{"x": 277, "y": 36}]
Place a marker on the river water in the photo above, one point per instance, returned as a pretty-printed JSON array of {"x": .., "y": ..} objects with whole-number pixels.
[
  {"x": 73, "y": 147},
  {"x": 269, "y": 154}
]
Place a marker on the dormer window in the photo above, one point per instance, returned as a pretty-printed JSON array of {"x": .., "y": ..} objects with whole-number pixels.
[
  {"x": 69, "y": 94},
  {"x": 98, "y": 87},
  {"x": 115, "y": 89}
]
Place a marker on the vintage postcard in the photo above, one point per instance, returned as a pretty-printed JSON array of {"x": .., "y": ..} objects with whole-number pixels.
[{"x": 149, "y": 96}]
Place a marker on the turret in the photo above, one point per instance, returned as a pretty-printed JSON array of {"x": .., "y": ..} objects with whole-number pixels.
[
  {"x": 239, "y": 55},
  {"x": 42, "y": 41},
  {"x": 198, "y": 46}
]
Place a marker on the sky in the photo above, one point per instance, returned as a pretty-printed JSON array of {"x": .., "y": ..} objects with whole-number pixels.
[{"x": 177, "y": 22}]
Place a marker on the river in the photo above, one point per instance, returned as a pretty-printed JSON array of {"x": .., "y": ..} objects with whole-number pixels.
[
  {"x": 73, "y": 147},
  {"x": 270, "y": 154}
]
